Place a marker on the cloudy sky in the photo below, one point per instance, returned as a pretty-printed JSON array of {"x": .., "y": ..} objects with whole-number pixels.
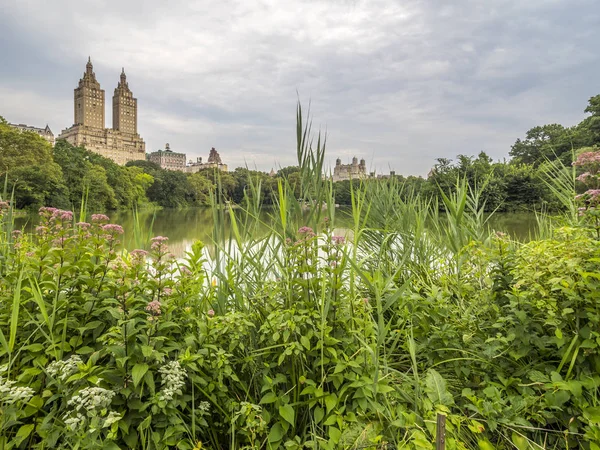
[{"x": 397, "y": 82}]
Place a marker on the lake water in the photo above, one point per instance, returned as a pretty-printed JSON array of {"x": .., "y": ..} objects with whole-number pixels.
[{"x": 184, "y": 226}]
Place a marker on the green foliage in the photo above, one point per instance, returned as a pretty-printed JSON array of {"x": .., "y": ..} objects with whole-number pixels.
[{"x": 303, "y": 338}]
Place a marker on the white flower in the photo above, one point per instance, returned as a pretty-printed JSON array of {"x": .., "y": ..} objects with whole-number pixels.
[
  {"x": 173, "y": 379},
  {"x": 90, "y": 402},
  {"x": 64, "y": 369},
  {"x": 91, "y": 398},
  {"x": 10, "y": 394}
]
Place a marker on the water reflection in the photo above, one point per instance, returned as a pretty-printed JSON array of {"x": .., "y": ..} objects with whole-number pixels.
[{"x": 184, "y": 226}]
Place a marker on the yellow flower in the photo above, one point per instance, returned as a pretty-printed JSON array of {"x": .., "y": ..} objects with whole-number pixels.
[{"x": 198, "y": 446}]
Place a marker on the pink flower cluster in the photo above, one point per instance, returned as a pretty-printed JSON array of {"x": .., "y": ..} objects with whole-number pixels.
[
  {"x": 338, "y": 240},
  {"x": 100, "y": 218},
  {"x": 113, "y": 229},
  {"x": 4, "y": 205},
  {"x": 159, "y": 243},
  {"x": 153, "y": 307},
  {"x": 138, "y": 257},
  {"x": 54, "y": 214},
  {"x": 584, "y": 177},
  {"x": 587, "y": 158},
  {"x": 305, "y": 230}
]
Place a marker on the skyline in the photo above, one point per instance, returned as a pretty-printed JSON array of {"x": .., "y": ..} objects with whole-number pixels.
[{"x": 396, "y": 84}]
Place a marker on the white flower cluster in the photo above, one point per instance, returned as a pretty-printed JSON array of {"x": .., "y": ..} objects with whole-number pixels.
[
  {"x": 203, "y": 407},
  {"x": 64, "y": 369},
  {"x": 90, "y": 400},
  {"x": 10, "y": 394},
  {"x": 173, "y": 379}
]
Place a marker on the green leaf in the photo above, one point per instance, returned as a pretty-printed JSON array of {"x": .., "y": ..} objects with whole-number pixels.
[
  {"x": 14, "y": 319},
  {"x": 330, "y": 402},
  {"x": 558, "y": 333},
  {"x": 520, "y": 441},
  {"x": 319, "y": 413},
  {"x": 138, "y": 372},
  {"x": 305, "y": 342},
  {"x": 485, "y": 445},
  {"x": 592, "y": 414},
  {"x": 269, "y": 397},
  {"x": 335, "y": 434},
  {"x": 276, "y": 433},
  {"x": 287, "y": 412},
  {"x": 435, "y": 387},
  {"x": 23, "y": 433}
]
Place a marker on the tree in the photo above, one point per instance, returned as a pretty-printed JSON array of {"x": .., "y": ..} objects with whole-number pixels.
[
  {"x": 541, "y": 143},
  {"x": 26, "y": 159}
]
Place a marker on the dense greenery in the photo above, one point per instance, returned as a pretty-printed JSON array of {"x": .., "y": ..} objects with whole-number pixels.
[
  {"x": 507, "y": 186},
  {"x": 303, "y": 338}
]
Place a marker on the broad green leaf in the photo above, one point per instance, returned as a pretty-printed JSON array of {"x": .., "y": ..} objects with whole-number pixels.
[
  {"x": 138, "y": 372},
  {"x": 335, "y": 434},
  {"x": 592, "y": 414},
  {"x": 276, "y": 433},
  {"x": 287, "y": 412},
  {"x": 269, "y": 397},
  {"x": 435, "y": 387},
  {"x": 23, "y": 433},
  {"x": 520, "y": 441},
  {"x": 319, "y": 413},
  {"x": 305, "y": 342},
  {"x": 330, "y": 402},
  {"x": 485, "y": 445}
]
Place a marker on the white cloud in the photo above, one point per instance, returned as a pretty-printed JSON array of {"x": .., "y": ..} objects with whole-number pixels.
[{"x": 398, "y": 83}]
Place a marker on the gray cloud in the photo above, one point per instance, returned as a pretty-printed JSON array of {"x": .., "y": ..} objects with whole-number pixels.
[{"x": 396, "y": 82}]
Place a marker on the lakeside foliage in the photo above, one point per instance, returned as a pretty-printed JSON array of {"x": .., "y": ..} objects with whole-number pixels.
[
  {"x": 63, "y": 176},
  {"x": 304, "y": 338}
]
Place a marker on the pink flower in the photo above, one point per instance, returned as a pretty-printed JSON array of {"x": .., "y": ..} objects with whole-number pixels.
[
  {"x": 584, "y": 176},
  {"x": 210, "y": 312},
  {"x": 138, "y": 257},
  {"x": 83, "y": 225},
  {"x": 112, "y": 228},
  {"x": 16, "y": 234},
  {"x": 153, "y": 307},
  {"x": 305, "y": 230},
  {"x": 66, "y": 215},
  {"x": 587, "y": 158},
  {"x": 338, "y": 240},
  {"x": 167, "y": 291},
  {"x": 100, "y": 218},
  {"x": 159, "y": 243},
  {"x": 4, "y": 205}
]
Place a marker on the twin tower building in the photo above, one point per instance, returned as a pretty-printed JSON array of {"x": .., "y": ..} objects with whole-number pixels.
[{"x": 121, "y": 143}]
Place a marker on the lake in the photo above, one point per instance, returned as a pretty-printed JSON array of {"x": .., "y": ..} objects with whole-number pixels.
[{"x": 184, "y": 226}]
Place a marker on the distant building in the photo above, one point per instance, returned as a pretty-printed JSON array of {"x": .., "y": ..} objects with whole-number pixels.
[
  {"x": 213, "y": 162},
  {"x": 46, "y": 133},
  {"x": 168, "y": 159},
  {"x": 384, "y": 176},
  {"x": 122, "y": 143},
  {"x": 352, "y": 171}
]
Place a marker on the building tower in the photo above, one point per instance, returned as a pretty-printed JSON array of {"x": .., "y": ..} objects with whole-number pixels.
[
  {"x": 89, "y": 100},
  {"x": 124, "y": 107}
]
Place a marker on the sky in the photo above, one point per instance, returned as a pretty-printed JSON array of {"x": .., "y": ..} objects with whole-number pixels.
[{"x": 396, "y": 82}]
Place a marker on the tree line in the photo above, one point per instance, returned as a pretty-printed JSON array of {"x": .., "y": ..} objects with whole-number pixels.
[{"x": 63, "y": 175}]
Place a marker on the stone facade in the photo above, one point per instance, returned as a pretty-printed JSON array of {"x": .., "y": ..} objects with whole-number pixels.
[
  {"x": 213, "y": 162},
  {"x": 122, "y": 143},
  {"x": 352, "y": 171},
  {"x": 168, "y": 159},
  {"x": 46, "y": 133}
]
